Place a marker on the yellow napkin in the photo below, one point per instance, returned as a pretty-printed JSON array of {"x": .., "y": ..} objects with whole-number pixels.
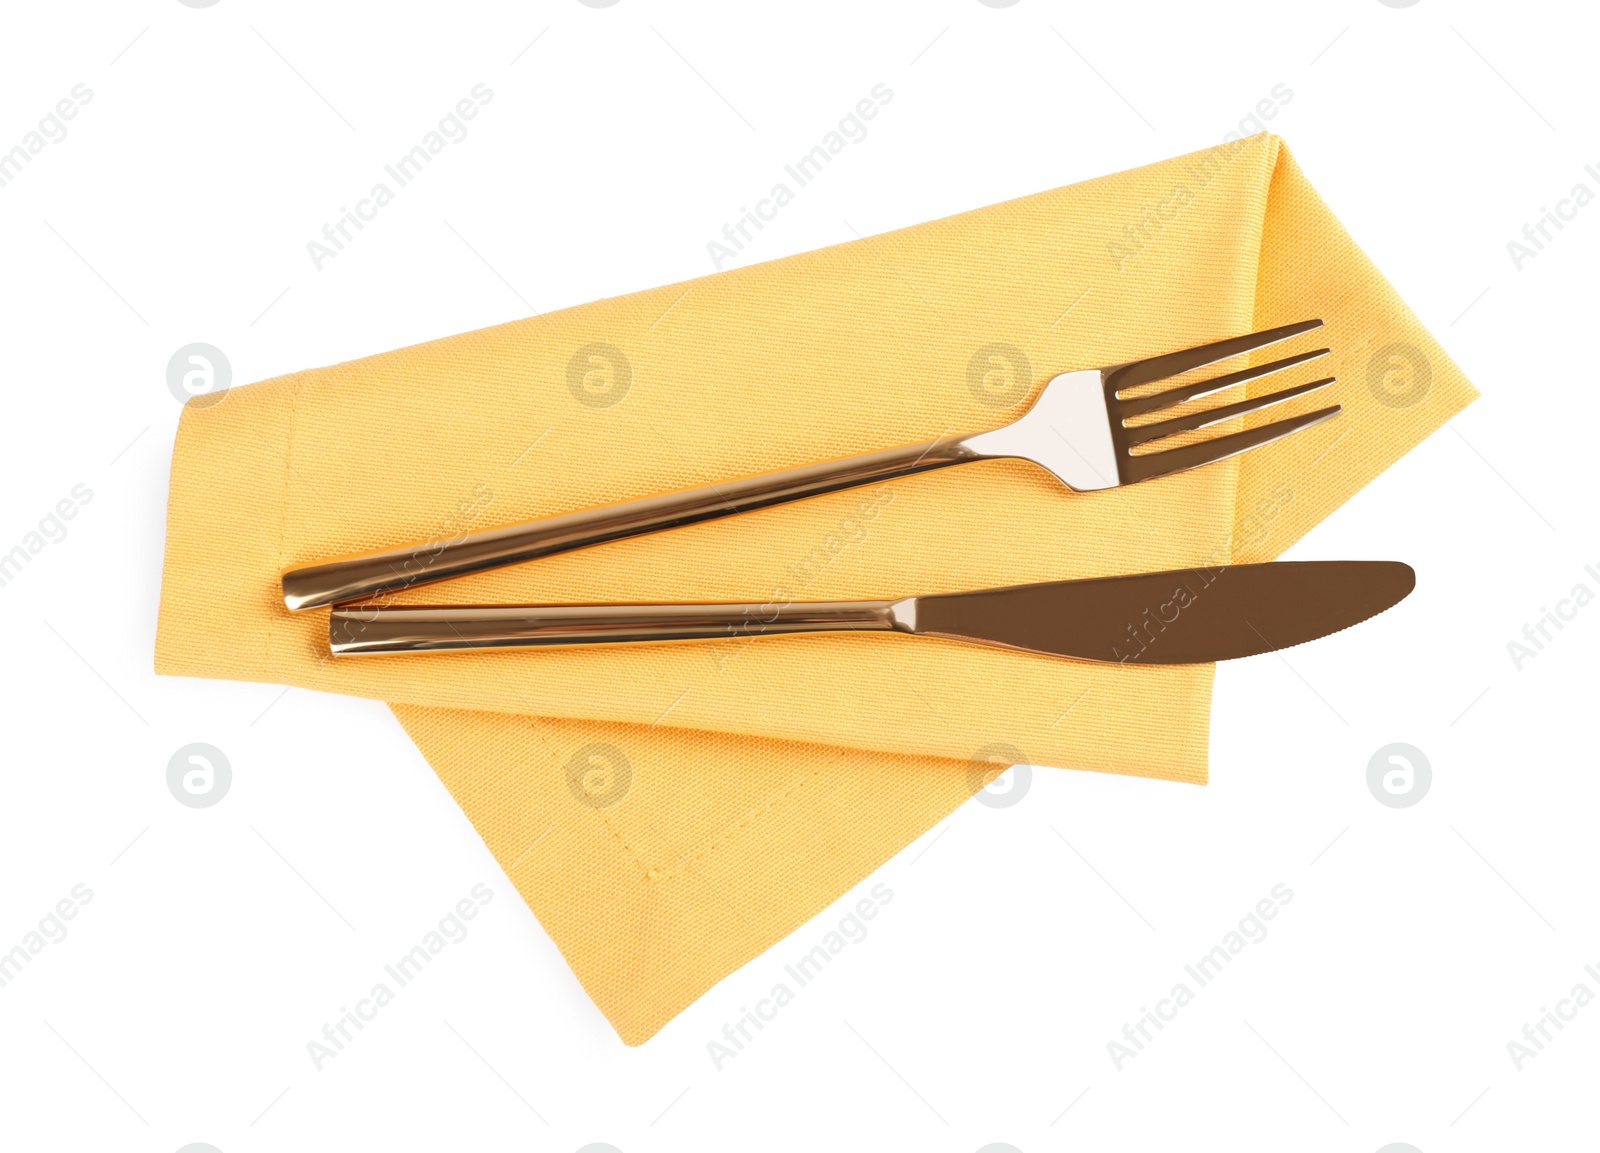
[{"x": 670, "y": 812}]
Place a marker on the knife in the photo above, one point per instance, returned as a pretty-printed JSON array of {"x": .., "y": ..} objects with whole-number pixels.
[{"x": 1185, "y": 616}]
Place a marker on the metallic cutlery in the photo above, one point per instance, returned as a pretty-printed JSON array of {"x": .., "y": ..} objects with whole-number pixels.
[
  {"x": 1078, "y": 429},
  {"x": 1187, "y": 616}
]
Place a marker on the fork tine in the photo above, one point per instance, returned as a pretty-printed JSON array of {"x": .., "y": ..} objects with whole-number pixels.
[
  {"x": 1137, "y": 468},
  {"x": 1148, "y": 432},
  {"x": 1156, "y": 401},
  {"x": 1172, "y": 363}
]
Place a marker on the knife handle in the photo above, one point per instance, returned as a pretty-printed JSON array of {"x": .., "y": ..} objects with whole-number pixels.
[
  {"x": 358, "y": 629},
  {"x": 356, "y": 577}
]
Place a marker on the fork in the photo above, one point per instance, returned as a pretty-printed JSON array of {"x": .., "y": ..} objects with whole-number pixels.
[{"x": 1079, "y": 429}]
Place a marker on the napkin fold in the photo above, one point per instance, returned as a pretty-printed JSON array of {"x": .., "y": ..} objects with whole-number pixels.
[{"x": 669, "y": 812}]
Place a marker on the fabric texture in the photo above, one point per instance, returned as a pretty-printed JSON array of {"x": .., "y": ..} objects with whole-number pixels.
[{"x": 669, "y": 812}]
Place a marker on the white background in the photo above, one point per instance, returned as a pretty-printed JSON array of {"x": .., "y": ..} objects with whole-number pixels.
[{"x": 1020, "y": 939}]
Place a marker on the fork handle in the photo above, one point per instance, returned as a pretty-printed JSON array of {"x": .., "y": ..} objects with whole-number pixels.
[
  {"x": 365, "y": 575},
  {"x": 361, "y": 629}
]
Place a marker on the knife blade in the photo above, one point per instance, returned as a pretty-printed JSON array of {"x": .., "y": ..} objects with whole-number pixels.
[{"x": 1184, "y": 616}]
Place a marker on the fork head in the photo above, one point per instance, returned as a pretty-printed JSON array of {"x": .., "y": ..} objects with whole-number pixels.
[{"x": 1081, "y": 426}]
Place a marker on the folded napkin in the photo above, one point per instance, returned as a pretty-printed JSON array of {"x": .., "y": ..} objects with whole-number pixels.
[{"x": 669, "y": 812}]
